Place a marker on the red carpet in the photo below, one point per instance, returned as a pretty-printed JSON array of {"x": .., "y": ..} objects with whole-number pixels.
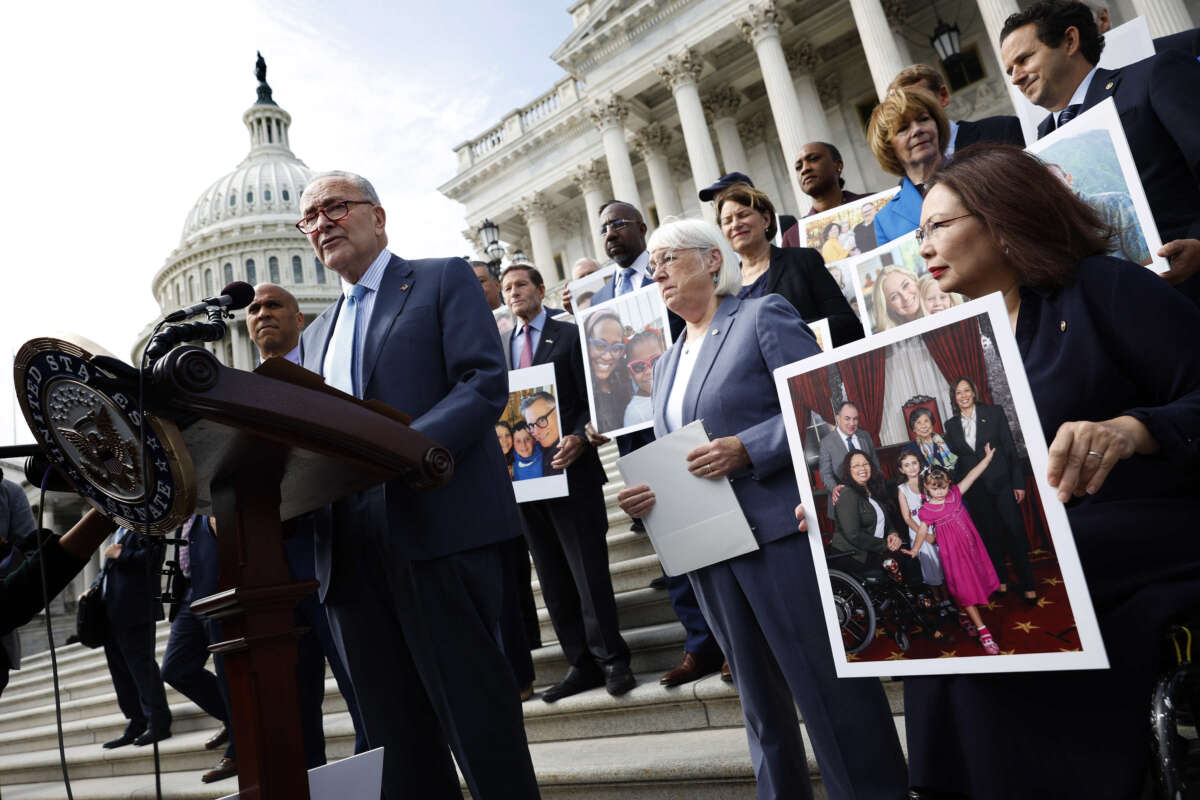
[{"x": 1048, "y": 627}]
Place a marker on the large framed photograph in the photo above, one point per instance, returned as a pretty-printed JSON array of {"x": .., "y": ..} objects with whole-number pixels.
[
  {"x": 529, "y": 431},
  {"x": 892, "y": 286},
  {"x": 582, "y": 289},
  {"x": 1092, "y": 157},
  {"x": 622, "y": 339},
  {"x": 845, "y": 231},
  {"x": 922, "y": 468}
]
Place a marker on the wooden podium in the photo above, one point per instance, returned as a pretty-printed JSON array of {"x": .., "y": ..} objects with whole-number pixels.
[{"x": 270, "y": 446}]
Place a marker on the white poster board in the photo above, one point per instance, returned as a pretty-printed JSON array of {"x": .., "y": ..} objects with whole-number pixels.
[{"x": 529, "y": 431}]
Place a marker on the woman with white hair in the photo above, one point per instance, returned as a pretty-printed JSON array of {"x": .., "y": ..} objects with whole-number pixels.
[{"x": 763, "y": 606}]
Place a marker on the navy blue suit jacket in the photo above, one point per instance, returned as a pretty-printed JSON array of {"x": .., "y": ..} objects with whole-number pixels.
[
  {"x": 1184, "y": 41},
  {"x": 432, "y": 350},
  {"x": 134, "y": 577},
  {"x": 1157, "y": 101},
  {"x": 732, "y": 390}
]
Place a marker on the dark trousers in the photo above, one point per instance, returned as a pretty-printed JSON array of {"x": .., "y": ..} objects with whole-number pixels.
[
  {"x": 313, "y": 649},
  {"x": 700, "y": 641},
  {"x": 183, "y": 665},
  {"x": 998, "y": 520},
  {"x": 766, "y": 614},
  {"x": 129, "y": 650},
  {"x": 514, "y": 629},
  {"x": 421, "y": 642},
  {"x": 567, "y": 537}
]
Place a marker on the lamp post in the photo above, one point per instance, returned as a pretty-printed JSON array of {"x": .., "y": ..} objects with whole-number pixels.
[
  {"x": 946, "y": 41},
  {"x": 490, "y": 232},
  {"x": 518, "y": 256}
]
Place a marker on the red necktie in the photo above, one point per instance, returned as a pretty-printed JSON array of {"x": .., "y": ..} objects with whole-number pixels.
[{"x": 527, "y": 353}]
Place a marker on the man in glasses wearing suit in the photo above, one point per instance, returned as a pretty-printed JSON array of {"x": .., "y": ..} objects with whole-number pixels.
[{"x": 567, "y": 535}]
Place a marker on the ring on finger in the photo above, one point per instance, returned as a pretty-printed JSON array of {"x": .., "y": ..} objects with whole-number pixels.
[{"x": 1094, "y": 453}]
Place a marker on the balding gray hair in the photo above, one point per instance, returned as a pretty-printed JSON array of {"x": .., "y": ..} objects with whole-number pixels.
[{"x": 359, "y": 182}]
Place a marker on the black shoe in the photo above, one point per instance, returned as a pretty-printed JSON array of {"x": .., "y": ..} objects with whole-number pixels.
[
  {"x": 619, "y": 679},
  {"x": 638, "y": 526},
  {"x": 659, "y": 583},
  {"x": 218, "y": 739},
  {"x": 576, "y": 681},
  {"x": 151, "y": 736},
  {"x": 132, "y": 732}
]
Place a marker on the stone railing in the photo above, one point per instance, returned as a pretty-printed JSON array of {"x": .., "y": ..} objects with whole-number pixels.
[{"x": 566, "y": 93}]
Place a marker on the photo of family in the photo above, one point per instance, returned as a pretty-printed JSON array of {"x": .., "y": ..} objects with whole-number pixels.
[
  {"x": 583, "y": 288},
  {"x": 921, "y": 465},
  {"x": 621, "y": 340},
  {"x": 893, "y": 286},
  {"x": 1092, "y": 158},
  {"x": 845, "y": 231},
  {"x": 529, "y": 430}
]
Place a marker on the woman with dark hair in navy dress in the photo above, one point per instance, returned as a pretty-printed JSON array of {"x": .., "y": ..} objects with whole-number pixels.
[{"x": 1117, "y": 389}]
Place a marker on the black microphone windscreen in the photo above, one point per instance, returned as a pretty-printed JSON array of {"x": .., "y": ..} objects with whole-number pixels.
[{"x": 242, "y": 294}]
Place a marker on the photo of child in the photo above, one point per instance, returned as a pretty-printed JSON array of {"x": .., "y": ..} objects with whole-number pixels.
[
  {"x": 643, "y": 350},
  {"x": 528, "y": 432},
  {"x": 936, "y": 549}
]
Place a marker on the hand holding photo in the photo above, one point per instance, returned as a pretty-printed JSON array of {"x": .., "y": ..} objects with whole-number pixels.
[{"x": 939, "y": 545}]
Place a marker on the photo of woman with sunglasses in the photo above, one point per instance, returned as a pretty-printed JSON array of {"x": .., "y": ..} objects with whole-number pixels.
[
  {"x": 642, "y": 350},
  {"x": 612, "y": 386}
]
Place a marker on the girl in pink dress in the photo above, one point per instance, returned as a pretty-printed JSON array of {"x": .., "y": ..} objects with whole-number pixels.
[{"x": 969, "y": 572}]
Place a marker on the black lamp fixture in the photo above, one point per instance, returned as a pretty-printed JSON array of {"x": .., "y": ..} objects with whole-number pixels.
[
  {"x": 518, "y": 256},
  {"x": 946, "y": 41},
  {"x": 490, "y": 232}
]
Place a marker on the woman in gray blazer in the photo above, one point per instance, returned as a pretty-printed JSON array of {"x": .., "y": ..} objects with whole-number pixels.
[{"x": 763, "y": 607}]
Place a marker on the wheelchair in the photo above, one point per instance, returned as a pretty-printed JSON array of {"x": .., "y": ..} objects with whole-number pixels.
[
  {"x": 869, "y": 599},
  {"x": 1175, "y": 708}
]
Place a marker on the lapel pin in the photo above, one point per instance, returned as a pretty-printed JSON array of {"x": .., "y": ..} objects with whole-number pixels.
[
  {"x": 404, "y": 287},
  {"x": 1062, "y": 325},
  {"x": 548, "y": 341},
  {"x": 715, "y": 332},
  {"x": 1108, "y": 85}
]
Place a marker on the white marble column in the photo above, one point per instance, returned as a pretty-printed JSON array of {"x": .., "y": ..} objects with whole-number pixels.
[
  {"x": 994, "y": 12},
  {"x": 830, "y": 91},
  {"x": 897, "y": 17},
  {"x": 680, "y": 73},
  {"x": 535, "y": 210},
  {"x": 652, "y": 142},
  {"x": 760, "y": 27},
  {"x": 609, "y": 116},
  {"x": 1164, "y": 16},
  {"x": 591, "y": 180},
  {"x": 753, "y": 133},
  {"x": 721, "y": 107},
  {"x": 802, "y": 61},
  {"x": 884, "y": 58}
]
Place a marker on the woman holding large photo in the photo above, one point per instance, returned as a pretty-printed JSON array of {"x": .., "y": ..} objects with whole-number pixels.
[
  {"x": 1117, "y": 390},
  {"x": 763, "y": 606}
]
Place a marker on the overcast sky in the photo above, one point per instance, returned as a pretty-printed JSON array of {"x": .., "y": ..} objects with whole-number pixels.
[{"x": 119, "y": 116}]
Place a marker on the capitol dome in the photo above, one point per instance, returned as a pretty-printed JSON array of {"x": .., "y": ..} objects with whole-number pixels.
[{"x": 242, "y": 228}]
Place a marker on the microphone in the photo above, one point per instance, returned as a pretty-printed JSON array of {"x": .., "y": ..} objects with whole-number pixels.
[
  {"x": 211, "y": 331},
  {"x": 236, "y": 295}
]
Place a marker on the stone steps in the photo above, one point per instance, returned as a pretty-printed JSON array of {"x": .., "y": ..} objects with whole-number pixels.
[{"x": 650, "y": 744}]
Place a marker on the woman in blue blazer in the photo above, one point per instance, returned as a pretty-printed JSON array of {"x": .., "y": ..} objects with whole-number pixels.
[
  {"x": 763, "y": 607},
  {"x": 907, "y": 133}
]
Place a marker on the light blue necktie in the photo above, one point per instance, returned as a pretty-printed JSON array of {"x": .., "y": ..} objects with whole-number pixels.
[
  {"x": 343, "y": 373},
  {"x": 625, "y": 282}
]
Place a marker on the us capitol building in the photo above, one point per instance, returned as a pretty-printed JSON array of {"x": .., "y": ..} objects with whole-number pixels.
[
  {"x": 660, "y": 97},
  {"x": 243, "y": 228}
]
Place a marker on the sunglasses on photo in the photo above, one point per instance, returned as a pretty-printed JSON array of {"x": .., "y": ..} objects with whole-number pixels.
[
  {"x": 643, "y": 364},
  {"x": 600, "y": 348}
]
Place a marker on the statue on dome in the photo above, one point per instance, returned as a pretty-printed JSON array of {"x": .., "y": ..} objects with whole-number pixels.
[{"x": 260, "y": 72}]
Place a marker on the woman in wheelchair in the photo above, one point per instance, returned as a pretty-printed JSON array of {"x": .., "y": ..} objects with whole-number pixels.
[{"x": 860, "y": 520}]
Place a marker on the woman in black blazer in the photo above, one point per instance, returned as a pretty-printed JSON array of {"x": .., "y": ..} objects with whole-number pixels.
[
  {"x": 798, "y": 274},
  {"x": 994, "y": 497}
]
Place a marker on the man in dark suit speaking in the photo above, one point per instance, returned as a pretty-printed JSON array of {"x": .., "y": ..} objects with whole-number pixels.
[
  {"x": 566, "y": 535},
  {"x": 1051, "y": 51},
  {"x": 414, "y": 581}
]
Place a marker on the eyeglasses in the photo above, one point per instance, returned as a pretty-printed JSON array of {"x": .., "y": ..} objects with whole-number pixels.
[
  {"x": 667, "y": 258},
  {"x": 600, "y": 348},
  {"x": 927, "y": 230},
  {"x": 614, "y": 225},
  {"x": 643, "y": 364},
  {"x": 333, "y": 212},
  {"x": 543, "y": 421}
]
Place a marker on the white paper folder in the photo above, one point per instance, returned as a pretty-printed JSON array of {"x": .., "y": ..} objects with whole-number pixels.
[{"x": 695, "y": 521}]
